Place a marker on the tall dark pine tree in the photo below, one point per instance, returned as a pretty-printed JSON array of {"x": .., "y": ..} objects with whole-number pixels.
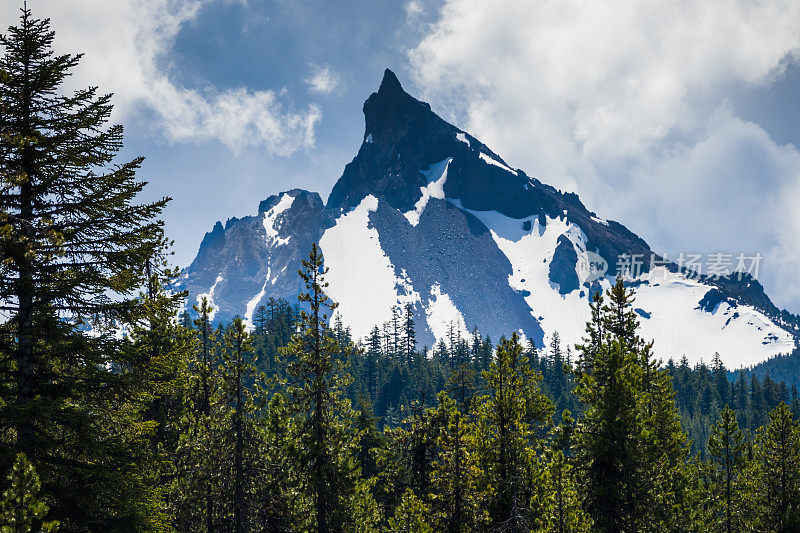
[
  {"x": 778, "y": 458},
  {"x": 726, "y": 449},
  {"x": 327, "y": 442},
  {"x": 74, "y": 248},
  {"x": 510, "y": 421},
  {"x": 238, "y": 369},
  {"x": 409, "y": 334}
]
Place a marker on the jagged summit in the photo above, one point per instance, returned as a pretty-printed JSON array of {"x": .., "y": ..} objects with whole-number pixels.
[
  {"x": 428, "y": 216},
  {"x": 390, "y": 83}
]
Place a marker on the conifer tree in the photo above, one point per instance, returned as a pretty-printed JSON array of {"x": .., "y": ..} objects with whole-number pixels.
[
  {"x": 409, "y": 334},
  {"x": 410, "y": 516},
  {"x": 778, "y": 457},
  {"x": 326, "y": 441},
  {"x": 21, "y": 508},
  {"x": 509, "y": 424},
  {"x": 237, "y": 370},
  {"x": 630, "y": 447},
  {"x": 565, "y": 512},
  {"x": 196, "y": 482},
  {"x": 726, "y": 449},
  {"x": 455, "y": 504},
  {"x": 75, "y": 245}
]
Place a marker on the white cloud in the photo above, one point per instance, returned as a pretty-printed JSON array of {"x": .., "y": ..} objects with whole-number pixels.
[
  {"x": 623, "y": 103},
  {"x": 127, "y": 45},
  {"x": 734, "y": 190},
  {"x": 414, "y": 9},
  {"x": 323, "y": 80}
]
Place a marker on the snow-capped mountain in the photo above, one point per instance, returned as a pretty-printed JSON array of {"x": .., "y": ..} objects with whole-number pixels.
[{"x": 426, "y": 214}]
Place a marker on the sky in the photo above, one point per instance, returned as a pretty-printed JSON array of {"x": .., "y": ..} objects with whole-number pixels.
[{"x": 679, "y": 119}]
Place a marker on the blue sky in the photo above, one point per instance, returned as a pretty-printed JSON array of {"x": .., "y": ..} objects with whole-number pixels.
[{"x": 681, "y": 121}]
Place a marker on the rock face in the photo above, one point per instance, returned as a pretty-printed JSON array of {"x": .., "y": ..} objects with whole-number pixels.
[{"x": 427, "y": 215}]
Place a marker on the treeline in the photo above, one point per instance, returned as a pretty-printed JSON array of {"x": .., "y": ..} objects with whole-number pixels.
[
  {"x": 390, "y": 374},
  {"x": 290, "y": 451},
  {"x": 785, "y": 367}
]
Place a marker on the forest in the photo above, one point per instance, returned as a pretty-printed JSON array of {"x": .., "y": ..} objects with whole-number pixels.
[{"x": 121, "y": 411}]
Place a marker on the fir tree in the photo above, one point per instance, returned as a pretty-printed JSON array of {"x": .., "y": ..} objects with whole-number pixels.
[
  {"x": 726, "y": 449},
  {"x": 509, "y": 423},
  {"x": 326, "y": 440},
  {"x": 21, "y": 509},
  {"x": 409, "y": 334},
  {"x": 778, "y": 457},
  {"x": 75, "y": 248},
  {"x": 455, "y": 504}
]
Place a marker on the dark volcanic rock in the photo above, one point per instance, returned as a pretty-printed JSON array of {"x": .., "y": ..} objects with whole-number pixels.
[{"x": 562, "y": 267}]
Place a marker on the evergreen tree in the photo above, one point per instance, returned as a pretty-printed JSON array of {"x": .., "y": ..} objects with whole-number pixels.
[
  {"x": 21, "y": 509},
  {"x": 566, "y": 514},
  {"x": 778, "y": 457},
  {"x": 726, "y": 449},
  {"x": 455, "y": 504},
  {"x": 237, "y": 370},
  {"x": 410, "y": 516},
  {"x": 631, "y": 447},
  {"x": 196, "y": 479},
  {"x": 509, "y": 425},
  {"x": 326, "y": 441},
  {"x": 75, "y": 245},
  {"x": 409, "y": 334}
]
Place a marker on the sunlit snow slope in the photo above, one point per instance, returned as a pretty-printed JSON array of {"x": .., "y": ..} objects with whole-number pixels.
[{"x": 428, "y": 218}]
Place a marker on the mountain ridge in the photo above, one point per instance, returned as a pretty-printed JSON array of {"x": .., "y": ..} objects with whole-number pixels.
[{"x": 427, "y": 206}]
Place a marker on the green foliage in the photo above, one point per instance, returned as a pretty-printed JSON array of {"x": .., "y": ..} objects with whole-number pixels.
[
  {"x": 182, "y": 424},
  {"x": 630, "y": 447},
  {"x": 410, "y": 516},
  {"x": 76, "y": 249},
  {"x": 325, "y": 440},
  {"x": 727, "y": 450},
  {"x": 21, "y": 510},
  {"x": 778, "y": 468}
]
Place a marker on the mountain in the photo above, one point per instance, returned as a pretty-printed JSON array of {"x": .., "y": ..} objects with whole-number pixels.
[{"x": 426, "y": 214}]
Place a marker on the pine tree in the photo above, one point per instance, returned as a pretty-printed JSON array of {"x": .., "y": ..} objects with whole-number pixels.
[
  {"x": 75, "y": 246},
  {"x": 410, "y": 516},
  {"x": 778, "y": 457},
  {"x": 631, "y": 447},
  {"x": 237, "y": 370},
  {"x": 509, "y": 422},
  {"x": 261, "y": 321},
  {"x": 455, "y": 504},
  {"x": 21, "y": 509},
  {"x": 195, "y": 484},
  {"x": 566, "y": 514},
  {"x": 409, "y": 334},
  {"x": 726, "y": 449},
  {"x": 156, "y": 352},
  {"x": 326, "y": 442},
  {"x": 611, "y": 428}
]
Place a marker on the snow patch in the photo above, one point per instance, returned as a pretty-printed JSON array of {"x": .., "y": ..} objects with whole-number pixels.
[
  {"x": 209, "y": 296},
  {"x": 600, "y": 220},
  {"x": 436, "y": 177},
  {"x": 369, "y": 140},
  {"x": 361, "y": 277},
  {"x": 270, "y": 217},
  {"x": 492, "y": 161},
  {"x": 742, "y": 335},
  {"x": 441, "y": 312},
  {"x": 251, "y": 305},
  {"x": 461, "y": 136}
]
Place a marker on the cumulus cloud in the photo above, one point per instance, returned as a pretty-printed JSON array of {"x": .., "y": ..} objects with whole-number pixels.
[
  {"x": 623, "y": 102},
  {"x": 323, "y": 80},
  {"x": 127, "y": 46}
]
